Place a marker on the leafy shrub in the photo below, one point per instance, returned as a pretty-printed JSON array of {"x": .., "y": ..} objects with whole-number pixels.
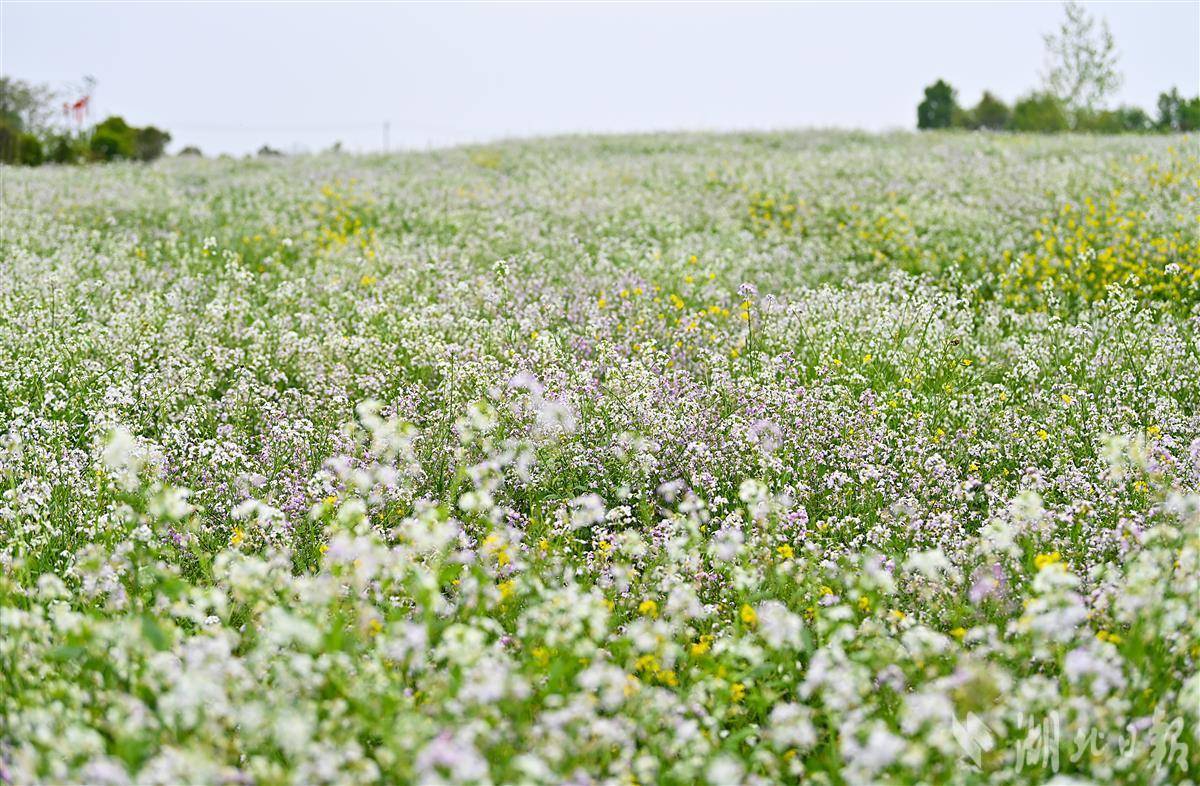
[
  {"x": 17, "y": 146},
  {"x": 29, "y": 150},
  {"x": 63, "y": 149},
  {"x": 149, "y": 143},
  {"x": 1040, "y": 112},
  {"x": 1125, "y": 119},
  {"x": 991, "y": 113},
  {"x": 1176, "y": 113},
  {"x": 9, "y": 134}
]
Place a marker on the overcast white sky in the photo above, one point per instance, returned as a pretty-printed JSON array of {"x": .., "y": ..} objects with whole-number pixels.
[{"x": 230, "y": 77}]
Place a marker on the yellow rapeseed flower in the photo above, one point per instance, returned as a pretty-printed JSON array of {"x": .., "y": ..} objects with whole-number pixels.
[
  {"x": 748, "y": 615},
  {"x": 702, "y": 645},
  {"x": 1043, "y": 561}
]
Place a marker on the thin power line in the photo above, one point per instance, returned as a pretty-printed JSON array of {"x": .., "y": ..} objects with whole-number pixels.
[{"x": 241, "y": 129}]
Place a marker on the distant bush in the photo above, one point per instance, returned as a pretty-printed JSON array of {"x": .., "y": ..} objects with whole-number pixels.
[
  {"x": 63, "y": 149},
  {"x": 9, "y": 136},
  {"x": 149, "y": 143},
  {"x": 112, "y": 139},
  {"x": 29, "y": 150},
  {"x": 1123, "y": 120},
  {"x": 191, "y": 150},
  {"x": 1134, "y": 118},
  {"x": 1040, "y": 112},
  {"x": 990, "y": 113},
  {"x": 1176, "y": 113},
  {"x": 17, "y": 146}
]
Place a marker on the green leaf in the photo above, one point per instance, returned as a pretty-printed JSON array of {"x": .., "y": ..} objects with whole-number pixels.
[{"x": 154, "y": 633}]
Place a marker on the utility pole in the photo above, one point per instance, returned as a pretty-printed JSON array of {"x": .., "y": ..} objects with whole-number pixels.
[{"x": 387, "y": 127}]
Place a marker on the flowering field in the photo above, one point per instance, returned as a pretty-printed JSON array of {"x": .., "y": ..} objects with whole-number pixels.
[{"x": 819, "y": 458}]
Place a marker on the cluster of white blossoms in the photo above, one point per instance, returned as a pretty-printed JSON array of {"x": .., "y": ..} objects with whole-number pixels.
[{"x": 790, "y": 458}]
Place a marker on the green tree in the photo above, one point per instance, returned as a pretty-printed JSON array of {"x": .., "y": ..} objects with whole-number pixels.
[
  {"x": 1081, "y": 61},
  {"x": 112, "y": 139},
  {"x": 1041, "y": 113},
  {"x": 991, "y": 113},
  {"x": 26, "y": 106},
  {"x": 938, "y": 108},
  {"x": 1176, "y": 113}
]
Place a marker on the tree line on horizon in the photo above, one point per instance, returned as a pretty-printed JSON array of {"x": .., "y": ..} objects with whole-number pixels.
[
  {"x": 1045, "y": 113},
  {"x": 1081, "y": 74},
  {"x": 30, "y": 135}
]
